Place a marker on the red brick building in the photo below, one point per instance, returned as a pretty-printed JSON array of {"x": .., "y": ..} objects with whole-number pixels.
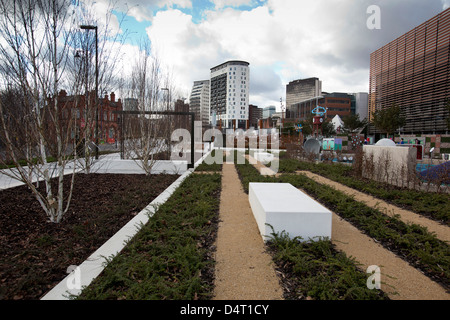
[{"x": 74, "y": 114}]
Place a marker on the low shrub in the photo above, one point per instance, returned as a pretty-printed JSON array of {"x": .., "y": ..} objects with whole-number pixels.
[{"x": 316, "y": 270}]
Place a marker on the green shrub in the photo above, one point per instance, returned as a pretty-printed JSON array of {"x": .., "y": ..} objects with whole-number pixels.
[{"x": 317, "y": 271}]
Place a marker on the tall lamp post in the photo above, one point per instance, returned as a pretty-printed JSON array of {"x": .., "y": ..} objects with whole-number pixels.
[
  {"x": 167, "y": 109},
  {"x": 165, "y": 89},
  {"x": 89, "y": 27}
]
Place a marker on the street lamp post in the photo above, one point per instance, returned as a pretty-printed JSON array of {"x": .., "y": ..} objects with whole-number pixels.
[
  {"x": 166, "y": 89},
  {"x": 89, "y": 27},
  {"x": 167, "y": 109}
]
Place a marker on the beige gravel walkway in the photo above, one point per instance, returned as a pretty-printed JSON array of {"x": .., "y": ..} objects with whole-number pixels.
[
  {"x": 244, "y": 271},
  {"x": 401, "y": 280},
  {"x": 396, "y": 274}
]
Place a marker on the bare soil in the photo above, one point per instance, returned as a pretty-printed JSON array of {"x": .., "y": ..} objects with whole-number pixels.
[{"x": 35, "y": 253}]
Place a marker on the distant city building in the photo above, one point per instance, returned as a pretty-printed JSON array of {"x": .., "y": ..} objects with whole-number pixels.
[
  {"x": 412, "y": 72},
  {"x": 130, "y": 104},
  {"x": 199, "y": 101},
  {"x": 301, "y": 90},
  {"x": 269, "y": 111},
  {"x": 336, "y": 103},
  {"x": 229, "y": 97},
  {"x": 255, "y": 114},
  {"x": 360, "y": 104}
]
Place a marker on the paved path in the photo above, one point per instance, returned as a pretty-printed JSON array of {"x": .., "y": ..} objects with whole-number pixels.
[{"x": 244, "y": 271}]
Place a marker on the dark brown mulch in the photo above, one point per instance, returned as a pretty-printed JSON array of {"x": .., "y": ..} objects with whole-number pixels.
[{"x": 35, "y": 253}]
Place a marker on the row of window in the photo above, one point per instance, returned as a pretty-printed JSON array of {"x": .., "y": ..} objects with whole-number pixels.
[{"x": 107, "y": 116}]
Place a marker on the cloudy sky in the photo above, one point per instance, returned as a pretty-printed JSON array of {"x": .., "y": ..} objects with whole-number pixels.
[{"x": 283, "y": 40}]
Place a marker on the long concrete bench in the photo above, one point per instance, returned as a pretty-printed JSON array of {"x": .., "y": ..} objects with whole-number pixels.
[{"x": 286, "y": 208}]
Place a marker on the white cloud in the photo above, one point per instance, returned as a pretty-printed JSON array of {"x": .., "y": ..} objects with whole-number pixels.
[
  {"x": 140, "y": 13},
  {"x": 328, "y": 39},
  {"x": 446, "y": 4}
]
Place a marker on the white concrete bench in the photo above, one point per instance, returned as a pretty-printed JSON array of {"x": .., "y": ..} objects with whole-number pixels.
[{"x": 286, "y": 208}]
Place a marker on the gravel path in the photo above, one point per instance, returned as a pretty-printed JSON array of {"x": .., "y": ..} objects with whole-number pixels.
[
  {"x": 399, "y": 280},
  {"x": 244, "y": 271}
]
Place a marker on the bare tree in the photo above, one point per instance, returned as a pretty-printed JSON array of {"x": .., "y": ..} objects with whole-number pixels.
[
  {"x": 105, "y": 45},
  {"x": 35, "y": 40},
  {"x": 146, "y": 134}
]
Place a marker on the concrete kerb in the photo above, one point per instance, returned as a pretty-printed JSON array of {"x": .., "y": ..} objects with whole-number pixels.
[
  {"x": 7, "y": 181},
  {"x": 82, "y": 275}
]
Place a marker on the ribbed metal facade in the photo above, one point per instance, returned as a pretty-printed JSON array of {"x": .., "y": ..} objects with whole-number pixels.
[{"x": 413, "y": 72}]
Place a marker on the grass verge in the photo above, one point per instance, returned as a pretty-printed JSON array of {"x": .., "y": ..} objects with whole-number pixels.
[{"x": 171, "y": 256}]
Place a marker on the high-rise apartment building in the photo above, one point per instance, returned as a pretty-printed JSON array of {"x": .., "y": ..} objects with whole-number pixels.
[
  {"x": 199, "y": 101},
  {"x": 302, "y": 89},
  {"x": 229, "y": 97},
  {"x": 413, "y": 72}
]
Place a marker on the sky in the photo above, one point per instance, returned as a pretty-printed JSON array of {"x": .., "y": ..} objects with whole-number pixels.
[{"x": 283, "y": 40}]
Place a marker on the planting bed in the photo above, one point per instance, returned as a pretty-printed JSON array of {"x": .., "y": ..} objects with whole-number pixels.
[
  {"x": 411, "y": 242},
  {"x": 433, "y": 205},
  {"x": 35, "y": 254},
  {"x": 317, "y": 271},
  {"x": 171, "y": 257}
]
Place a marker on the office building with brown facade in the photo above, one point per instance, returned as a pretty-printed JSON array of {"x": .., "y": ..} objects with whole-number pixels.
[
  {"x": 335, "y": 103},
  {"x": 413, "y": 72}
]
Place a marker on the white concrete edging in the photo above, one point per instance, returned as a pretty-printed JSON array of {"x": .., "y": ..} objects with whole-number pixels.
[{"x": 85, "y": 273}]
